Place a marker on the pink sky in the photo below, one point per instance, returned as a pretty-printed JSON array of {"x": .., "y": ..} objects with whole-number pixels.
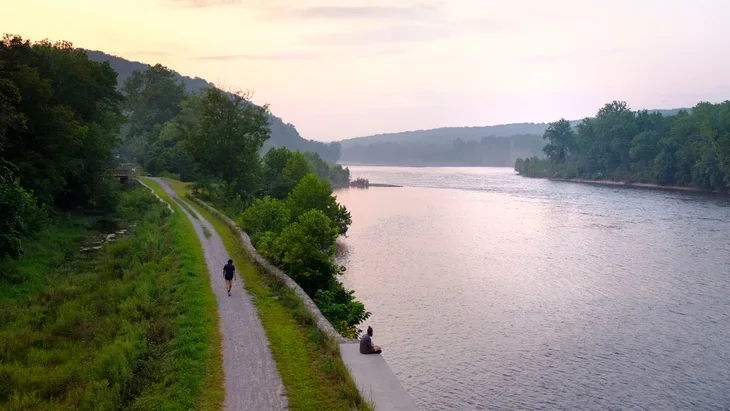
[{"x": 339, "y": 69}]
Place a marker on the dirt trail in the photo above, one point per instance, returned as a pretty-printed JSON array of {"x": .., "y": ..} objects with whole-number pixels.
[{"x": 251, "y": 379}]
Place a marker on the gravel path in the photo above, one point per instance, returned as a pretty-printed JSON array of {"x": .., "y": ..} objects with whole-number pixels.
[{"x": 251, "y": 379}]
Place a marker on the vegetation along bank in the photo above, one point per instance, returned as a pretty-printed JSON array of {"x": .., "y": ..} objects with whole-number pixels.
[{"x": 690, "y": 149}]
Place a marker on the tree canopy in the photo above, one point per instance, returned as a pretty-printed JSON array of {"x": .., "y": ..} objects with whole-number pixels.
[
  {"x": 686, "y": 149},
  {"x": 59, "y": 118}
]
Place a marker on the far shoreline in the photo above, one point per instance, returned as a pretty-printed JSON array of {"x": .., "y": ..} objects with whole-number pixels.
[{"x": 628, "y": 184}]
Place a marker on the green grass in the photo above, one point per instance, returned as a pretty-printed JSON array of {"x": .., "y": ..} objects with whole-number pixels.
[
  {"x": 132, "y": 326},
  {"x": 203, "y": 309},
  {"x": 188, "y": 209},
  {"x": 308, "y": 360},
  {"x": 52, "y": 247}
]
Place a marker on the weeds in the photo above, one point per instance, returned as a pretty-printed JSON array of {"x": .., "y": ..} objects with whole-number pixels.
[{"x": 132, "y": 326}]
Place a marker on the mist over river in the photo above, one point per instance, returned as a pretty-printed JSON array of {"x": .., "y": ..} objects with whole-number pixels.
[{"x": 493, "y": 291}]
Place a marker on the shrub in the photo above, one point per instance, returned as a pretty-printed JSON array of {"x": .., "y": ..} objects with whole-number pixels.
[
  {"x": 304, "y": 250},
  {"x": 265, "y": 215},
  {"x": 339, "y": 306},
  {"x": 314, "y": 194}
]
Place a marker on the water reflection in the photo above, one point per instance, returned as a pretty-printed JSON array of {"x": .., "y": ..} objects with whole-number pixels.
[{"x": 497, "y": 292}]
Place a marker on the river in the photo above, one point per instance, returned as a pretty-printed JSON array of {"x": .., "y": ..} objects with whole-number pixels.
[{"x": 494, "y": 291}]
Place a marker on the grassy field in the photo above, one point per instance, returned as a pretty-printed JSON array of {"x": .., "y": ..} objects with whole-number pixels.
[
  {"x": 307, "y": 359},
  {"x": 130, "y": 326}
]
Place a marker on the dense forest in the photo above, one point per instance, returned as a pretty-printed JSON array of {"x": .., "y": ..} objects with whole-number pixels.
[
  {"x": 489, "y": 151},
  {"x": 691, "y": 148},
  {"x": 59, "y": 119},
  {"x": 282, "y": 134}
]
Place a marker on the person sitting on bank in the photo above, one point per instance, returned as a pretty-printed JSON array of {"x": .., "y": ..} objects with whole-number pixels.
[{"x": 366, "y": 344}]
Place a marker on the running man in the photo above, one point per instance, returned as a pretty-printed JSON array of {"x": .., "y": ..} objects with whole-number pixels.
[{"x": 228, "y": 271}]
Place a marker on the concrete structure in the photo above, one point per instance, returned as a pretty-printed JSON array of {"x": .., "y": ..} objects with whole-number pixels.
[{"x": 375, "y": 380}]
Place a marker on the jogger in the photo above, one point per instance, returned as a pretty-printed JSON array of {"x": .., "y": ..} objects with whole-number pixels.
[{"x": 228, "y": 271}]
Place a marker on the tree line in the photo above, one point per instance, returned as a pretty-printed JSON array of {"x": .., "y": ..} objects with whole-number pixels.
[
  {"x": 691, "y": 148},
  {"x": 59, "y": 119}
]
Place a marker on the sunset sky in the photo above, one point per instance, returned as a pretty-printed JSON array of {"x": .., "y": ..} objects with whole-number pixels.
[{"x": 339, "y": 69}]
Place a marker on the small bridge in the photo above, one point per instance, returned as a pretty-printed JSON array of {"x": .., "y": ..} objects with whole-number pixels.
[{"x": 124, "y": 174}]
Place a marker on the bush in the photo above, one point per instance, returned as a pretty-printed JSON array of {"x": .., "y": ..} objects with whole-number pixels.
[
  {"x": 304, "y": 250},
  {"x": 265, "y": 215},
  {"x": 19, "y": 215},
  {"x": 339, "y": 306},
  {"x": 314, "y": 194}
]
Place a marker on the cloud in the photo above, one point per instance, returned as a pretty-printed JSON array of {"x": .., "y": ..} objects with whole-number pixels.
[
  {"x": 148, "y": 53},
  {"x": 553, "y": 58},
  {"x": 269, "y": 57},
  {"x": 198, "y": 4},
  {"x": 415, "y": 12},
  {"x": 388, "y": 34},
  {"x": 408, "y": 33}
]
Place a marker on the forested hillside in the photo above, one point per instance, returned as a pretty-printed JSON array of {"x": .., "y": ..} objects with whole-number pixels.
[
  {"x": 494, "y": 146},
  {"x": 449, "y": 134},
  {"x": 282, "y": 134},
  {"x": 691, "y": 148}
]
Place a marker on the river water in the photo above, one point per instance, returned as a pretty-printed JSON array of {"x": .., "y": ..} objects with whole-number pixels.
[{"x": 493, "y": 291}]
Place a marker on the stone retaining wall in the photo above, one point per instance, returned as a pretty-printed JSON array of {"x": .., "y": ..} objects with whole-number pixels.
[{"x": 322, "y": 323}]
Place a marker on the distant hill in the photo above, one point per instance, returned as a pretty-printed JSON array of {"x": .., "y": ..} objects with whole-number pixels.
[
  {"x": 282, "y": 134},
  {"x": 497, "y": 145},
  {"x": 449, "y": 134}
]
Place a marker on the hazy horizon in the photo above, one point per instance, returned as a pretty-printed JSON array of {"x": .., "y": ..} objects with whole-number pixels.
[{"x": 354, "y": 68}]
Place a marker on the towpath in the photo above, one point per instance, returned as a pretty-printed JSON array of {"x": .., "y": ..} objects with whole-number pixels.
[{"x": 251, "y": 379}]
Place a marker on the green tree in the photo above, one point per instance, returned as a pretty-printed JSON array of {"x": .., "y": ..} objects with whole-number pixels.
[
  {"x": 297, "y": 167},
  {"x": 19, "y": 215},
  {"x": 561, "y": 141},
  {"x": 267, "y": 215},
  {"x": 340, "y": 176},
  {"x": 339, "y": 306},
  {"x": 152, "y": 97},
  {"x": 274, "y": 163},
  {"x": 169, "y": 152},
  {"x": 314, "y": 194},
  {"x": 305, "y": 250},
  {"x": 70, "y": 112},
  {"x": 227, "y": 138}
]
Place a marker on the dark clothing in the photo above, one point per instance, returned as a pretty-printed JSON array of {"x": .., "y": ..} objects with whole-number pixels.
[
  {"x": 229, "y": 269},
  {"x": 366, "y": 345}
]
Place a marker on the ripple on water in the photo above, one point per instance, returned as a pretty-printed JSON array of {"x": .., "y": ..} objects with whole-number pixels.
[{"x": 491, "y": 291}]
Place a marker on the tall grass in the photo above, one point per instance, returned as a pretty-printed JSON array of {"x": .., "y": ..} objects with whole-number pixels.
[{"x": 132, "y": 326}]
